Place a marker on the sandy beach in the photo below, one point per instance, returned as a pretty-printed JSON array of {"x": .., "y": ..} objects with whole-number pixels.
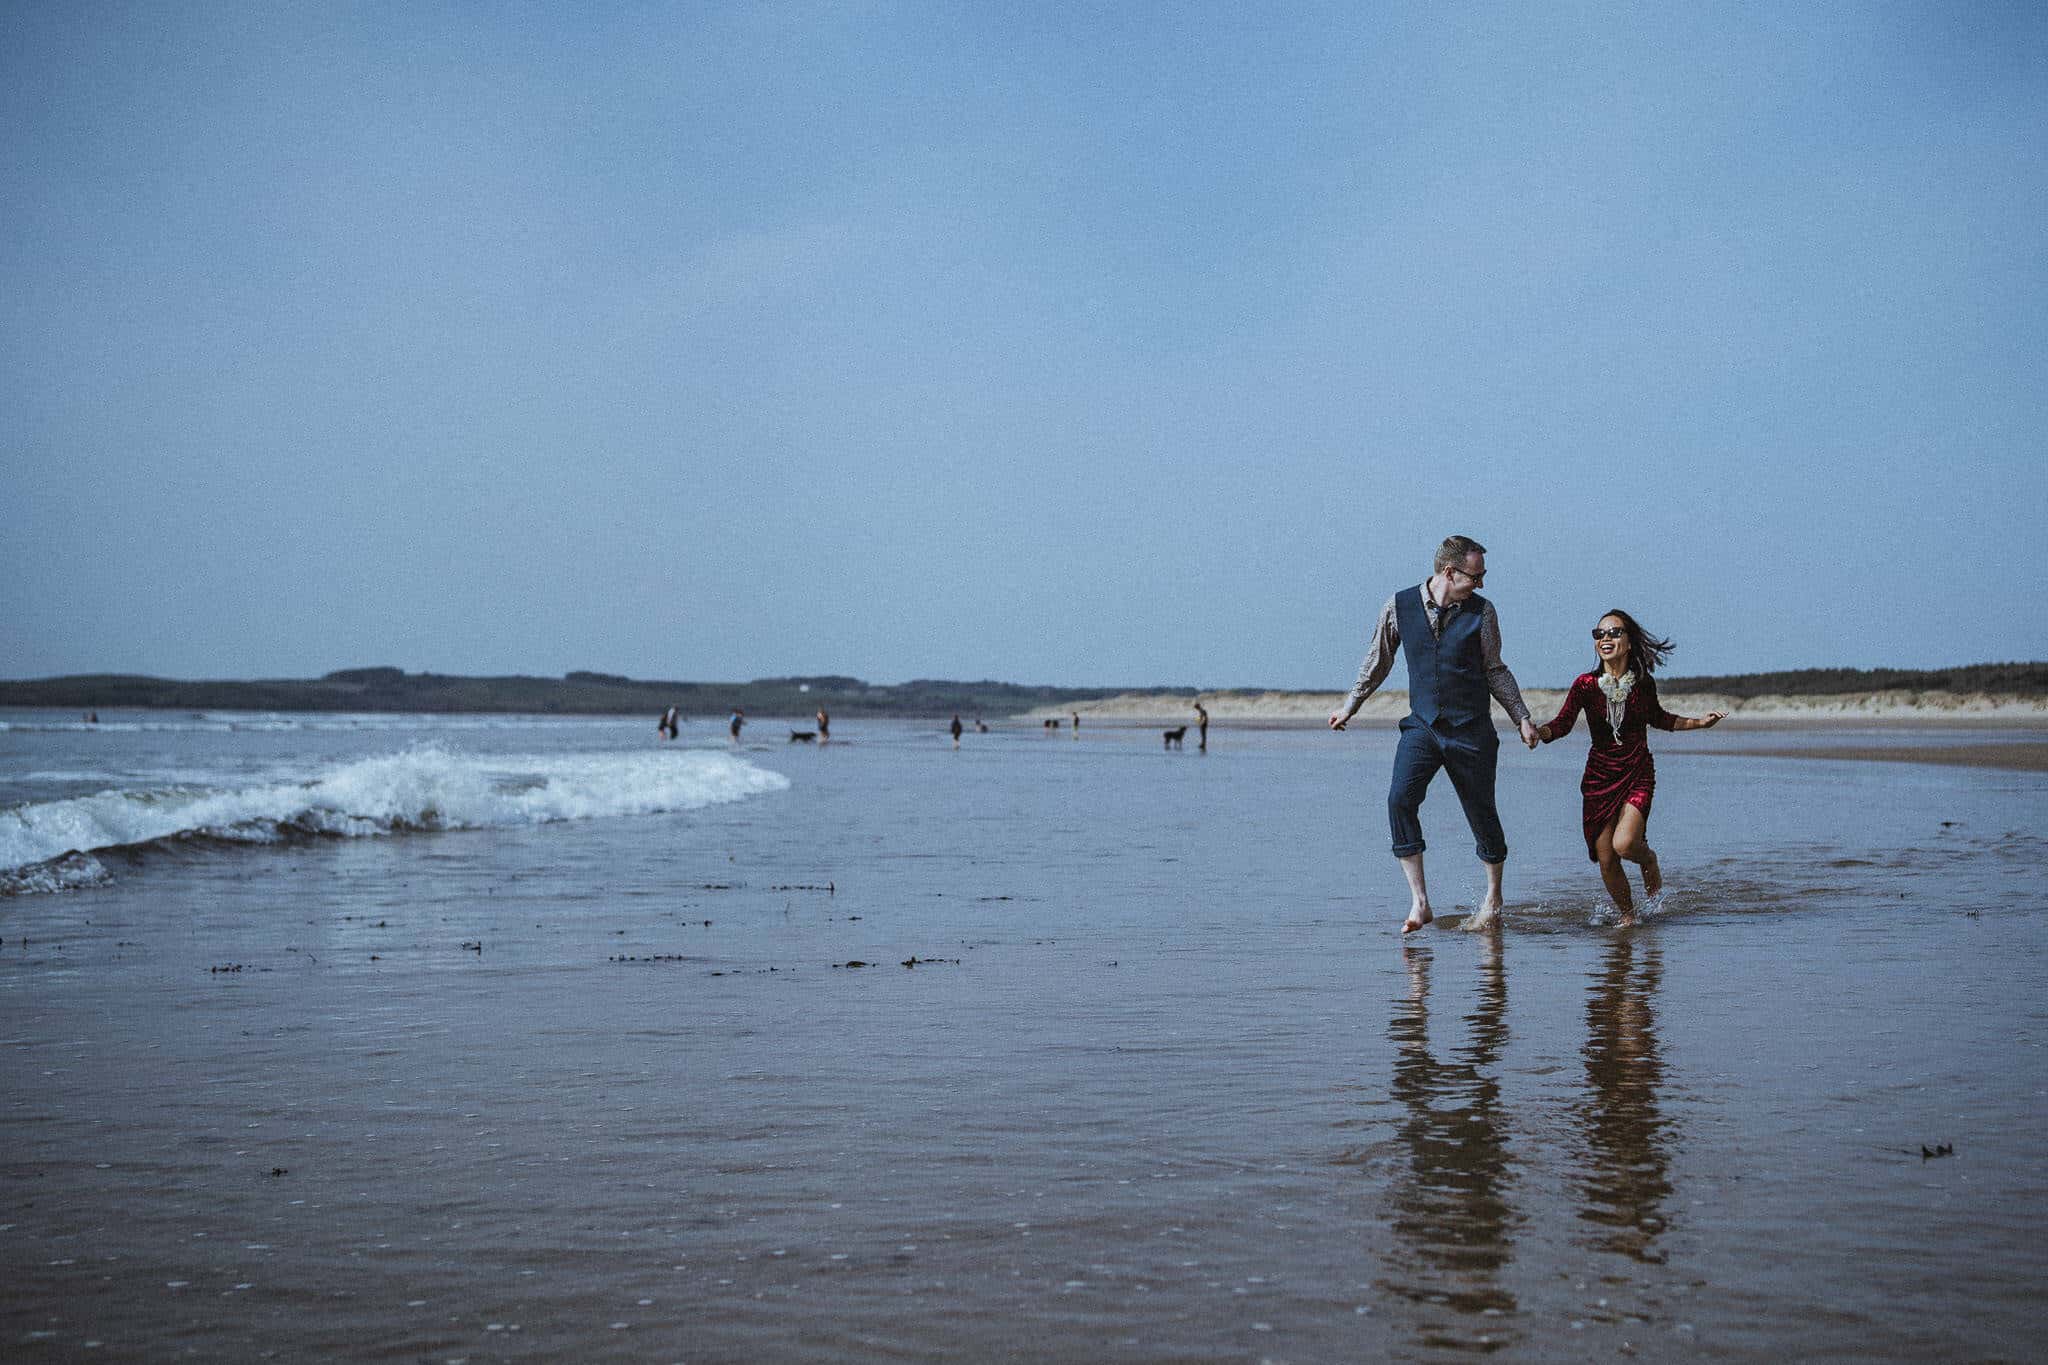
[
  {"x": 1387, "y": 707},
  {"x": 1831, "y": 727}
]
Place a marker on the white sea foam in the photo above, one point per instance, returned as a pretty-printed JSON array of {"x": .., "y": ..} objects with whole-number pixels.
[
  {"x": 65, "y": 873},
  {"x": 422, "y": 788},
  {"x": 227, "y": 722}
]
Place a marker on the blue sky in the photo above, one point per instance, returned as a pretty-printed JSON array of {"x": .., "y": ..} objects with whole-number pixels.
[{"x": 1088, "y": 344}]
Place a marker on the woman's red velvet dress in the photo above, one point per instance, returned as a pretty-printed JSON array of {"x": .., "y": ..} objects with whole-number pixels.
[{"x": 1619, "y": 769}]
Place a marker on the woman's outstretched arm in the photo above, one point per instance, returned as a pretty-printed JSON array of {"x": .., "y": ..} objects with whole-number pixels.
[{"x": 1664, "y": 720}]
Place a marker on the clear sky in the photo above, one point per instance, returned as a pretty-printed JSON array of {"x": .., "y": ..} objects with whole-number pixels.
[{"x": 1096, "y": 344}]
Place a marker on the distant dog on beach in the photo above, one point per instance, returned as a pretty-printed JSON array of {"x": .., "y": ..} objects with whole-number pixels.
[
  {"x": 802, "y": 736},
  {"x": 1174, "y": 738}
]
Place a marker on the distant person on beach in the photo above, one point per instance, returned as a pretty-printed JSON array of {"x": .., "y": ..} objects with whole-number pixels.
[
  {"x": 1450, "y": 637},
  {"x": 737, "y": 723},
  {"x": 670, "y": 726},
  {"x": 1202, "y": 721},
  {"x": 956, "y": 732},
  {"x": 1077, "y": 724},
  {"x": 1620, "y": 701},
  {"x": 824, "y": 726}
]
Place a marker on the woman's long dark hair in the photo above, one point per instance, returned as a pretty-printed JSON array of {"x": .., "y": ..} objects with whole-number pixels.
[{"x": 1645, "y": 651}]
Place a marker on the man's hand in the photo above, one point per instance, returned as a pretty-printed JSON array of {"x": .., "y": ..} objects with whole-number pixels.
[
  {"x": 1337, "y": 719},
  {"x": 1529, "y": 735}
]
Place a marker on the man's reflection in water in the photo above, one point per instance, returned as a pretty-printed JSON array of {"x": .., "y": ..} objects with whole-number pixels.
[
  {"x": 1451, "y": 1213},
  {"x": 1625, "y": 1134}
]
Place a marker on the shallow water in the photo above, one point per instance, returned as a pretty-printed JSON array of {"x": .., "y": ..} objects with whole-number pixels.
[{"x": 1164, "y": 1084}]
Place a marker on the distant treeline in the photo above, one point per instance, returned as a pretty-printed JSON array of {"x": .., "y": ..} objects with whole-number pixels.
[
  {"x": 579, "y": 693},
  {"x": 2029, "y": 680},
  {"x": 585, "y": 693}
]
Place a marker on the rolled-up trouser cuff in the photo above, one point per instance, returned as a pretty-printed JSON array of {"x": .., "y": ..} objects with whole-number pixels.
[{"x": 1468, "y": 753}]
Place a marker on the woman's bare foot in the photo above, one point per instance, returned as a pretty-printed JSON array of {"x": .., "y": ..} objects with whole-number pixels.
[
  {"x": 1653, "y": 875},
  {"x": 1417, "y": 917}
]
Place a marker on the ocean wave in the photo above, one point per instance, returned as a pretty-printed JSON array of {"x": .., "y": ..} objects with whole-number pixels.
[
  {"x": 426, "y": 788},
  {"x": 230, "y": 722}
]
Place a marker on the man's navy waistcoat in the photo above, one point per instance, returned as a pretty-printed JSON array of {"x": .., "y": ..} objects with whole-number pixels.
[{"x": 1447, "y": 674}]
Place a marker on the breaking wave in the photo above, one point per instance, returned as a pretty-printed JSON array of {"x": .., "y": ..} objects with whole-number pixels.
[
  {"x": 273, "y": 722},
  {"x": 48, "y": 846}
]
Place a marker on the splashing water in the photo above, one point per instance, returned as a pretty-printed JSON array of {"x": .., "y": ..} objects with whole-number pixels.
[{"x": 1482, "y": 918}]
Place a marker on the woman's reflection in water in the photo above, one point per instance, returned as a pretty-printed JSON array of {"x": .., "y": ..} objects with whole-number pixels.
[
  {"x": 1625, "y": 1135},
  {"x": 1451, "y": 1213}
]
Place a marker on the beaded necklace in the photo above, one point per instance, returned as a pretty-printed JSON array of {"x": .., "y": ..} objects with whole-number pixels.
[{"x": 1617, "y": 690}]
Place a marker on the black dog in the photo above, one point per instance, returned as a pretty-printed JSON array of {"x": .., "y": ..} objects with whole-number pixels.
[
  {"x": 803, "y": 736},
  {"x": 1174, "y": 738}
]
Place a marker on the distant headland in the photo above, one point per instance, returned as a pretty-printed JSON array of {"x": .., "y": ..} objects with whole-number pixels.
[
  {"x": 579, "y": 693},
  {"x": 2012, "y": 691}
]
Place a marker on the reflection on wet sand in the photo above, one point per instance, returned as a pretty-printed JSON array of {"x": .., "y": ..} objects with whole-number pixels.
[
  {"x": 1452, "y": 1219},
  {"x": 1626, "y": 1136}
]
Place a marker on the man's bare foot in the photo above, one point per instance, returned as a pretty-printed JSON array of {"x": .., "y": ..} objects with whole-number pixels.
[
  {"x": 1487, "y": 916},
  {"x": 1417, "y": 917},
  {"x": 1653, "y": 876}
]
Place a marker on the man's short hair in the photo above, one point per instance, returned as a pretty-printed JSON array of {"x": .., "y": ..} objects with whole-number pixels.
[{"x": 1454, "y": 549}]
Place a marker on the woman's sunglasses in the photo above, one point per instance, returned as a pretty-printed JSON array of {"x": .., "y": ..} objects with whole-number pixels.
[{"x": 1610, "y": 633}]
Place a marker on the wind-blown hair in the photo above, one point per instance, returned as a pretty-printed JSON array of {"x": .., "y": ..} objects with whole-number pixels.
[
  {"x": 1645, "y": 651},
  {"x": 1454, "y": 549}
]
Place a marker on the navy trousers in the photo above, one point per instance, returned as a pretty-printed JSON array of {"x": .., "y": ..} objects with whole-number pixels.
[{"x": 1468, "y": 752}]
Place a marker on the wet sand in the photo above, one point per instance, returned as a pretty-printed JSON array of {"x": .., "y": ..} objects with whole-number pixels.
[
  {"x": 1163, "y": 1084},
  {"x": 2023, "y": 756}
]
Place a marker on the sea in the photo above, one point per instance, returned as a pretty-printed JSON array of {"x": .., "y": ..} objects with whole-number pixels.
[{"x": 466, "y": 1038}]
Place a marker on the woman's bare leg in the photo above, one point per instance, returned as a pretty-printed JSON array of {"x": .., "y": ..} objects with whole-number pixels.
[
  {"x": 1632, "y": 841},
  {"x": 1612, "y": 874}
]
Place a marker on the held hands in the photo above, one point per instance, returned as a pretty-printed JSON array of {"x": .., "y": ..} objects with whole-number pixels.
[
  {"x": 1711, "y": 719},
  {"x": 1337, "y": 719},
  {"x": 1531, "y": 736}
]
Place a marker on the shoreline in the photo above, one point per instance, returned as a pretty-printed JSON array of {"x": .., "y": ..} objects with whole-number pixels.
[{"x": 1286, "y": 710}]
